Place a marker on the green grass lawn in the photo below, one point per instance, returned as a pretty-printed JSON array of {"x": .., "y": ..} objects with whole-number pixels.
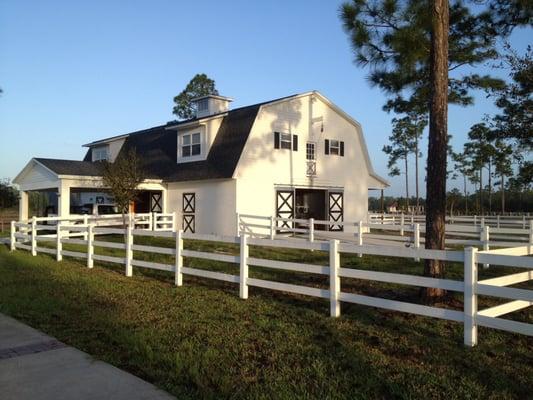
[{"x": 202, "y": 340}]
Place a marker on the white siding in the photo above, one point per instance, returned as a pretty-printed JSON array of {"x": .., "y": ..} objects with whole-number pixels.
[
  {"x": 262, "y": 168},
  {"x": 215, "y": 204}
]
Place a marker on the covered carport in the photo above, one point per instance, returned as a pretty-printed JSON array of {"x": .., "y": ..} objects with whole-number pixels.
[{"x": 64, "y": 177}]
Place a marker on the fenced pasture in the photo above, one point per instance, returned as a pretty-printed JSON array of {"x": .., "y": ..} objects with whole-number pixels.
[{"x": 481, "y": 298}]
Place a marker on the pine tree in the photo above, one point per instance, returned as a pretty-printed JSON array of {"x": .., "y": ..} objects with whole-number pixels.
[{"x": 200, "y": 85}]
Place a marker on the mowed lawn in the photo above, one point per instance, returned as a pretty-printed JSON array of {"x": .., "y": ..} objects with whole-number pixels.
[{"x": 202, "y": 341}]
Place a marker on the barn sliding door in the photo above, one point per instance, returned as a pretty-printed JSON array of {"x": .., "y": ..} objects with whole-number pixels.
[
  {"x": 189, "y": 212},
  {"x": 156, "y": 202},
  {"x": 284, "y": 208},
  {"x": 336, "y": 210}
]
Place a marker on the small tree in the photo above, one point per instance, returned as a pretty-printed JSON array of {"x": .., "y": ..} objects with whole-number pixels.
[
  {"x": 123, "y": 177},
  {"x": 200, "y": 85}
]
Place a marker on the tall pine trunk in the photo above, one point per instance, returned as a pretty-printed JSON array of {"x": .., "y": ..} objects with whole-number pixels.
[
  {"x": 490, "y": 186},
  {"x": 437, "y": 148},
  {"x": 416, "y": 176},
  {"x": 503, "y": 193},
  {"x": 466, "y": 194},
  {"x": 481, "y": 208},
  {"x": 406, "y": 183}
]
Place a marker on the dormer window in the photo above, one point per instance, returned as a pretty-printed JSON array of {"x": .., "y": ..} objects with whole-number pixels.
[
  {"x": 191, "y": 144},
  {"x": 100, "y": 153}
]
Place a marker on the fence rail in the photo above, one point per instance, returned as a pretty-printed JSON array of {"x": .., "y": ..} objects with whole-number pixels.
[{"x": 471, "y": 317}]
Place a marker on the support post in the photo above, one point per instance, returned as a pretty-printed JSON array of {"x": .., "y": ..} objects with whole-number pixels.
[
  {"x": 272, "y": 230},
  {"x": 311, "y": 229},
  {"x": 174, "y": 220},
  {"x": 129, "y": 250},
  {"x": 360, "y": 236},
  {"x": 470, "y": 297},
  {"x": 243, "y": 287},
  {"x": 238, "y": 224},
  {"x": 334, "y": 278},
  {"x": 33, "y": 236},
  {"x": 416, "y": 233},
  {"x": 86, "y": 223},
  {"x": 178, "y": 277},
  {"x": 12, "y": 238},
  {"x": 402, "y": 220},
  {"x": 59, "y": 245},
  {"x": 485, "y": 240},
  {"x": 90, "y": 246}
]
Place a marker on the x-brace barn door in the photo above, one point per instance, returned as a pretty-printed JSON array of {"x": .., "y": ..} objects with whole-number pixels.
[
  {"x": 336, "y": 210},
  {"x": 156, "y": 202},
  {"x": 189, "y": 211},
  {"x": 284, "y": 208}
]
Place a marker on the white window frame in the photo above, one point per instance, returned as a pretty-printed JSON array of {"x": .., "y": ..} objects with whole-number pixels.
[
  {"x": 202, "y": 105},
  {"x": 335, "y": 147},
  {"x": 310, "y": 155},
  {"x": 188, "y": 141},
  {"x": 100, "y": 153},
  {"x": 285, "y": 141}
]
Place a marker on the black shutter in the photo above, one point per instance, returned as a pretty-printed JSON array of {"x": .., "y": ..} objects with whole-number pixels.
[
  {"x": 276, "y": 140},
  {"x": 342, "y": 149},
  {"x": 294, "y": 142},
  {"x": 327, "y": 146}
]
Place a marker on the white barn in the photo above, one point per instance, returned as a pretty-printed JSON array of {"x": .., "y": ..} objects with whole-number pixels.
[{"x": 300, "y": 156}]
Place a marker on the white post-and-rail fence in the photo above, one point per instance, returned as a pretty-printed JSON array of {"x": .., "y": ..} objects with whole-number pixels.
[
  {"x": 410, "y": 233},
  {"x": 471, "y": 317}
]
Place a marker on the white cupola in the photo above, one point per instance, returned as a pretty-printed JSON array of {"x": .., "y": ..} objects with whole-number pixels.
[{"x": 210, "y": 105}]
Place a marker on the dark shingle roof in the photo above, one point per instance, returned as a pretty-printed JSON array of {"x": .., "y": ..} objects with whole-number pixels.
[
  {"x": 71, "y": 167},
  {"x": 158, "y": 148}
]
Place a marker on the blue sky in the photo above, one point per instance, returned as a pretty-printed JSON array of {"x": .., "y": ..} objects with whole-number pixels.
[{"x": 73, "y": 72}]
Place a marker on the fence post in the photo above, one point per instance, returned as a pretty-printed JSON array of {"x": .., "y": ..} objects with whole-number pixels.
[
  {"x": 86, "y": 223},
  {"x": 416, "y": 233},
  {"x": 272, "y": 232},
  {"x": 482, "y": 221},
  {"x": 485, "y": 240},
  {"x": 475, "y": 220},
  {"x": 174, "y": 219},
  {"x": 12, "y": 238},
  {"x": 360, "y": 236},
  {"x": 150, "y": 222},
  {"x": 59, "y": 245},
  {"x": 33, "y": 236},
  {"x": 402, "y": 220},
  {"x": 531, "y": 232},
  {"x": 470, "y": 296},
  {"x": 334, "y": 278},
  {"x": 90, "y": 246},
  {"x": 129, "y": 250},
  {"x": 523, "y": 222},
  {"x": 154, "y": 221},
  {"x": 243, "y": 287},
  {"x": 311, "y": 229},
  {"x": 178, "y": 278}
]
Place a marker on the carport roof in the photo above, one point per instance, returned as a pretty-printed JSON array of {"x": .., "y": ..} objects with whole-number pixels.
[{"x": 71, "y": 167}]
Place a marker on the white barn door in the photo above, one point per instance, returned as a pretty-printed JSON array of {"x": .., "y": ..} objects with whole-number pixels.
[
  {"x": 284, "y": 208},
  {"x": 336, "y": 210}
]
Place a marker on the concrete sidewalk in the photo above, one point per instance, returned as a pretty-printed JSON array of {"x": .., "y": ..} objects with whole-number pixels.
[{"x": 36, "y": 366}]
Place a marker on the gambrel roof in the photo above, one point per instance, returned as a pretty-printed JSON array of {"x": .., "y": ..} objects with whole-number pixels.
[{"x": 157, "y": 148}]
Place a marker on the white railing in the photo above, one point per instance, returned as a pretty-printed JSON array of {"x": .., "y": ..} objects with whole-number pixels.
[
  {"x": 496, "y": 221},
  {"x": 471, "y": 317},
  {"x": 403, "y": 231}
]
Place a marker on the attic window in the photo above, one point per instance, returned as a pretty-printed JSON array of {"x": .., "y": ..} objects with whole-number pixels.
[
  {"x": 191, "y": 145},
  {"x": 100, "y": 153}
]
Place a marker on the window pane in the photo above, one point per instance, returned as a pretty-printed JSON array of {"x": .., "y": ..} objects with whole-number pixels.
[
  {"x": 187, "y": 139},
  {"x": 285, "y": 145},
  {"x": 196, "y": 138},
  {"x": 195, "y": 149},
  {"x": 310, "y": 153},
  {"x": 286, "y": 141},
  {"x": 186, "y": 151}
]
